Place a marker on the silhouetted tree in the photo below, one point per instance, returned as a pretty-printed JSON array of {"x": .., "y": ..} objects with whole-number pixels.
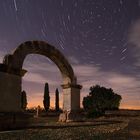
[
  {"x": 101, "y": 99},
  {"x": 57, "y": 100},
  {"x": 23, "y": 100},
  {"x": 46, "y": 101}
]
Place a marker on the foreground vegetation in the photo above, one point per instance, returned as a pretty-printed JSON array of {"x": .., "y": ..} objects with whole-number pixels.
[
  {"x": 122, "y": 124},
  {"x": 99, "y": 100},
  {"x": 42, "y": 123},
  {"x": 59, "y": 131},
  {"x": 98, "y": 129}
]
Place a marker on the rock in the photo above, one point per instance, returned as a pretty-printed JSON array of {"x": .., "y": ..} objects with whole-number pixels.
[
  {"x": 70, "y": 116},
  {"x": 62, "y": 117}
]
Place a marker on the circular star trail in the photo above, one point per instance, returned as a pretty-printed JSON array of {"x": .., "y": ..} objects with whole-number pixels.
[{"x": 101, "y": 38}]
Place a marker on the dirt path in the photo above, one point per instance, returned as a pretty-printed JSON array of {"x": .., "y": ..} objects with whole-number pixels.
[
  {"x": 131, "y": 132},
  {"x": 116, "y": 128}
]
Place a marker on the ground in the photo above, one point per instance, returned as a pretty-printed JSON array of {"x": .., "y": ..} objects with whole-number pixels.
[
  {"x": 110, "y": 128},
  {"x": 131, "y": 132}
]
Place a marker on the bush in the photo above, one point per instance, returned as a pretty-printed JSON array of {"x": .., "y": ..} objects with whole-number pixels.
[{"x": 101, "y": 99}]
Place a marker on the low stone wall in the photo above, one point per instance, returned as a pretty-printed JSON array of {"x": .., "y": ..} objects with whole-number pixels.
[
  {"x": 9, "y": 121},
  {"x": 123, "y": 113}
]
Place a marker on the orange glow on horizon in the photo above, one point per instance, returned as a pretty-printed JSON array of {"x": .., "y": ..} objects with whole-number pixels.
[
  {"x": 35, "y": 101},
  {"x": 52, "y": 105},
  {"x": 131, "y": 107}
]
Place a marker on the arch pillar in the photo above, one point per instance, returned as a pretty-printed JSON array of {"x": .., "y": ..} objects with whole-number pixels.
[
  {"x": 71, "y": 97},
  {"x": 10, "y": 89},
  {"x": 71, "y": 103}
]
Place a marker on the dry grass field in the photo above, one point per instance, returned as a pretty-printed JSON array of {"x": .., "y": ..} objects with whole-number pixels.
[{"x": 103, "y": 128}]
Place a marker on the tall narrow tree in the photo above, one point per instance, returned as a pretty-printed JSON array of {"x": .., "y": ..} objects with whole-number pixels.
[
  {"x": 57, "y": 100},
  {"x": 46, "y": 101},
  {"x": 23, "y": 100}
]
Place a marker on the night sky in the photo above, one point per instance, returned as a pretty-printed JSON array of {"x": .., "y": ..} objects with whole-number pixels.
[{"x": 100, "y": 38}]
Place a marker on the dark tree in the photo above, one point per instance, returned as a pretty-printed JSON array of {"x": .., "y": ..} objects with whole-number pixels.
[
  {"x": 57, "y": 100},
  {"x": 101, "y": 99},
  {"x": 23, "y": 100},
  {"x": 46, "y": 101}
]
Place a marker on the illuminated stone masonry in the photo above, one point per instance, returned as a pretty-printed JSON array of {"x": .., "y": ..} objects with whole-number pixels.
[{"x": 11, "y": 73}]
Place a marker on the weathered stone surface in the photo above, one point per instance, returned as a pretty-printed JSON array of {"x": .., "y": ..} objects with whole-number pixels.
[
  {"x": 11, "y": 73},
  {"x": 71, "y": 116},
  {"x": 10, "y": 89},
  {"x": 15, "y": 60},
  {"x": 62, "y": 117},
  {"x": 71, "y": 97}
]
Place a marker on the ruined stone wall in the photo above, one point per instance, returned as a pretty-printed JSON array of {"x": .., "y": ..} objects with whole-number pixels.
[{"x": 10, "y": 89}]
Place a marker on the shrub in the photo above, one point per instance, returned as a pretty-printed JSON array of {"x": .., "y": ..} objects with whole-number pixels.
[{"x": 101, "y": 99}]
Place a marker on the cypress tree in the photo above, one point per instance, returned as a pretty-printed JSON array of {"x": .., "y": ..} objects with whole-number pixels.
[
  {"x": 57, "y": 100},
  {"x": 23, "y": 100},
  {"x": 46, "y": 101}
]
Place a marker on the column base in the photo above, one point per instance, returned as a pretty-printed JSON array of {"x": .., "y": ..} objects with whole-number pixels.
[{"x": 71, "y": 116}]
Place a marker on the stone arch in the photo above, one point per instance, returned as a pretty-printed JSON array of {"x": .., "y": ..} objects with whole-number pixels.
[
  {"x": 11, "y": 73},
  {"x": 14, "y": 62}
]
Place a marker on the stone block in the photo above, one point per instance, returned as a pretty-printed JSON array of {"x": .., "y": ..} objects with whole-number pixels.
[
  {"x": 10, "y": 92},
  {"x": 62, "y": 117},
  {"x": 71, "y": 98},
  {"x": 71, "y": 116}
]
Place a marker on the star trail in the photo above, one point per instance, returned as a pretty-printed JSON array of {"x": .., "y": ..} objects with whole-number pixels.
[{"x": 100, "y": 38}]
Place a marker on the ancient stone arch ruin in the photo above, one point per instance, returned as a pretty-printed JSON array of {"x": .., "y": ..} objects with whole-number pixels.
[{"x": 11, "y": 74}]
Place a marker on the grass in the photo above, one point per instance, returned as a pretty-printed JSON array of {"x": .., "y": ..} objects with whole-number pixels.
[
  {"x": 61, "y": 131},
  {"x": 47, "y": 128}
]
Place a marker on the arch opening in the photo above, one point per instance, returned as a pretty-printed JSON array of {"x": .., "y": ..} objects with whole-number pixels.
[{"x": 41, "y": 71}]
